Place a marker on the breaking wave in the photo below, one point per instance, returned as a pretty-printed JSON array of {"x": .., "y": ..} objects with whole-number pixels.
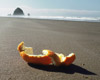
[{"x": 89, "y": 19}]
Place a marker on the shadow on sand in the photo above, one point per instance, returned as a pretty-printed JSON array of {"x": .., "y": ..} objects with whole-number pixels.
[{"x": 64, "y": 69}]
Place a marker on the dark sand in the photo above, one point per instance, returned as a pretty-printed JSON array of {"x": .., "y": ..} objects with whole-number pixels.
[{"x": 82, "y": 38}]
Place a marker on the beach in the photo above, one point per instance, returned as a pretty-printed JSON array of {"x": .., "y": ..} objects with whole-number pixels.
[{"x": 81, "y": 38}]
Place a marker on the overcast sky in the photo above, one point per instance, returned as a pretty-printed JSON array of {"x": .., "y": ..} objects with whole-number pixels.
[{"x": 88, "y": 8}]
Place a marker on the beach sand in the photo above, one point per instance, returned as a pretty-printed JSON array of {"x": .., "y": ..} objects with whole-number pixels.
[{"x": 82, "y": 38}]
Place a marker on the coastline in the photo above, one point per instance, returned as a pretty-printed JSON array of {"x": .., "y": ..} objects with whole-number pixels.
[{"x": 59, "y": 18}]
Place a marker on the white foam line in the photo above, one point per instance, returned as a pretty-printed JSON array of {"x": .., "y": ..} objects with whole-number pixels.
[{"x": 94, "y": 19}]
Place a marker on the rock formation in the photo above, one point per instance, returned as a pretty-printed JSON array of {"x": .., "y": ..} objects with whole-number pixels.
[{"x": 18, "y": 11}]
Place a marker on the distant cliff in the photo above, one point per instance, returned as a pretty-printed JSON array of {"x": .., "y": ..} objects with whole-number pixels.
[{"x": 18, "y": 11}]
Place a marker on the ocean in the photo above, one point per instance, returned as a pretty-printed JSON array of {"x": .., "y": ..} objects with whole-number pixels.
[{"x": 66, "y": 18}]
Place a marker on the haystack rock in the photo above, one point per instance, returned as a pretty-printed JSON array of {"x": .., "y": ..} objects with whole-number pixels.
[{"x": 18, "y": 11}]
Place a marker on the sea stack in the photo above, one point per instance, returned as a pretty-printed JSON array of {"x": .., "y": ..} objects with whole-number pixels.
[{"x": 18, "y": 12}]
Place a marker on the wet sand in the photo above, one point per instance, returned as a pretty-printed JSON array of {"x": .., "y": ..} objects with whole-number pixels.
[{"x": 82, "y": 38}]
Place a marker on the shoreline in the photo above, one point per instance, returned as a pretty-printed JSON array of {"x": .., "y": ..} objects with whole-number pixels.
[{"x": 28, "y": 17}]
